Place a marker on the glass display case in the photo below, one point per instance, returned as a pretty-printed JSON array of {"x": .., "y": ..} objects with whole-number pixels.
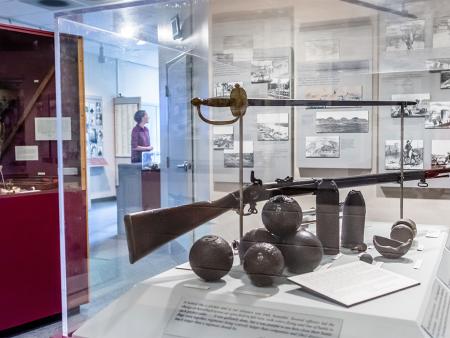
[{"x": 317, "y": 130}]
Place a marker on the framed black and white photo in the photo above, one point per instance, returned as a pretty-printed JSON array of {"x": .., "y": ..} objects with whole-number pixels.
[
  {"x": 224, "y": 88},
  {"x": 273, "y": 70},
  {"x": 419, "y": 110},
  {"x": 273, "y": 127},
  {"x": 438, "y": 116},
  {"x": 412, "y": 154},
  {"x": 441, "y": 32},
  {"x": 94, "y": 131},
  {"x": 408, "y": 35},
  {"x": 445, "y": 80},
  {"x": 322, "y": 50},
  {"x": 330, "y": 93},
  {"x": 437, "y": 65},
  {"x": 322, "y": 147},
  {"x": 354, "y": 121},
  {"x": 440, "y": 154},
  {"x": 223, "y": 137},
  {"x": 231, "y": 156}
]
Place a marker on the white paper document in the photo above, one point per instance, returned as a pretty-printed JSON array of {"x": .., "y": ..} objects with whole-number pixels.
[
  {"x": 199, "y": 318},
  {"x": 444, "y": 268},
  {"x": 437, "y": 315},
  {"x": 45, "y": 128},
  {"x": 353, "y": 283},
  {"x": 27, "y": 153}
]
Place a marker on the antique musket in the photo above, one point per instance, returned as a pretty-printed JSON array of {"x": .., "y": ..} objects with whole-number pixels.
[{"x": 148, "y": 230}]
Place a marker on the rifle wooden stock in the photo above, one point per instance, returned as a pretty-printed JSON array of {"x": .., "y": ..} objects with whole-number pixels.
[{"x": 148, "y": 230}]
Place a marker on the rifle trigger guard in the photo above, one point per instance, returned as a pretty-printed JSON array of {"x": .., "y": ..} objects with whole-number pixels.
[{"x": 422, "y": 183}]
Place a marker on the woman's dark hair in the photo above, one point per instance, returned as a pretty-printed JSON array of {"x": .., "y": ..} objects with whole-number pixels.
[{"x": 138, "y": 116}]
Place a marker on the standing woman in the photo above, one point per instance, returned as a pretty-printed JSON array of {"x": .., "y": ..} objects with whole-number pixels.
[{"x": 140, "y": 137}]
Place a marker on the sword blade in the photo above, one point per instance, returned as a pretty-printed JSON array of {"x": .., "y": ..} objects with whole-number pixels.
[{"x": 325, "y": 103}]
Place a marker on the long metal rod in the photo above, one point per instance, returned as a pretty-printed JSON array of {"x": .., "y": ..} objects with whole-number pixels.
[
  {"x": 241, "y": 177},
  {"x": 402, "y": 156}
]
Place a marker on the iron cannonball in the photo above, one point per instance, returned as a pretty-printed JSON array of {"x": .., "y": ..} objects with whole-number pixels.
[
  {"x": 302, "y": 251},
  {"x": 263, "y": 262},
  {"x": 282, "y": 215},
  {"x": 402, "y": 233},
  {"x": 211, "y": 258},
  {"x": 254, "y": 236}
]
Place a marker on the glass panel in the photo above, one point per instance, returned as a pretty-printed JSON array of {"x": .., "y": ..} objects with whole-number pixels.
[{"x": 117, "y": 60}]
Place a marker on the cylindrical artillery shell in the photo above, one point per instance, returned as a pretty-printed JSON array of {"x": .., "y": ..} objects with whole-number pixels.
[
  {"x": 353, "y": 220},
  {"x": 327, "y": 216}
]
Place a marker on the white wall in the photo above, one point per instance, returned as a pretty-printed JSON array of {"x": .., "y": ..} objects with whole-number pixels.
[{"x": 107, "y": 80}]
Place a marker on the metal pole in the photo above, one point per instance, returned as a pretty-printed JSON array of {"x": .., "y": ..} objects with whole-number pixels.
[
  {"x": 402, "y": 145},
  {"x": 241, "y": 177}
]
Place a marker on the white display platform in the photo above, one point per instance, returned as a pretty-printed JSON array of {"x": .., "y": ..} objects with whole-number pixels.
[{"x": 149, "y": 309}]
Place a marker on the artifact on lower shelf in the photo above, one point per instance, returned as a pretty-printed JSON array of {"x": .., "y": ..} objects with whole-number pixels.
[
  {"x": 259, "y": 235},
  {"x": 282, "y": 215},
  {"x": 302, "y": 251},
  {"x": 365, "y": 257},
  {"x": 353, "y": 220},
  {"x": 390, "y": 248},
  {"x": 148, "y": 230},
  {"x": 263, "y": 262},
  {"x": 403, "y": 230},
  {"x": 211, "y": 258},
  {"x": 327, "y": 216}
]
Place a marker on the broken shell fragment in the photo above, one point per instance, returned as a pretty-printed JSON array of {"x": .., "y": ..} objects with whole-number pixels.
[{"x": 391, "y": 248}]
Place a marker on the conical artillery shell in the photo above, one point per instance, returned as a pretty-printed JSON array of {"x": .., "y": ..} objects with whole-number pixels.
[
  {"x": 327, "y": 216},
  {"x": 353, "y": 220}
]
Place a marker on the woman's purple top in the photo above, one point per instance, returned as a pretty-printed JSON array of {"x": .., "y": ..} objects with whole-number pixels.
[{"x": 139, "y": 137}]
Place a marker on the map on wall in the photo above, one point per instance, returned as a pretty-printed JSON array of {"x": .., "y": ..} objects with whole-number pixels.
[
  {"x": 408, "y": 35},
  {"x": 94, "y": 131}
]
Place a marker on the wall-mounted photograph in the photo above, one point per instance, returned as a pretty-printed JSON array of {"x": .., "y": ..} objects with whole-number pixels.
[
  {"x": 438, "y": 116},
  {"x": 322, "y": 50},
  {"x": 437, "y": 65},
  {"x": 225, "y": 88},
  {"x": 441, "y": 32},
  {"x": 342, "y": 121},
  {"x": 231, "y": 156},
  {"x": 445, "y": 80},
  {"x": 419, "y": 110},
  {"x": 334, "y": 93},
  {"x": 412, "y": 154},
  {"x": 275, "y": 72},
  {"x": 440, "y": 153},
  {"x": 408, "y": 35},
  {"x": 273, "y": 127},
  {"x": 322, "y": 147},
  {"x": 223, "y": 137}
]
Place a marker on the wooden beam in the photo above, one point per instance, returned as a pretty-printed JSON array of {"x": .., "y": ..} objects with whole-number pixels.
[{"x": 27, "y": 110}]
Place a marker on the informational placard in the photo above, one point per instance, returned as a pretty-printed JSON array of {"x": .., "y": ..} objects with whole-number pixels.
[
  {"x": 27, "y": 153},
  {"x": 437, "y": 315},
  {"x": 45, "y": 129},
  {"x": 353, "y": 283},
  {"x": 444, "y": 268},
  {"x": 204, "y": 319}
]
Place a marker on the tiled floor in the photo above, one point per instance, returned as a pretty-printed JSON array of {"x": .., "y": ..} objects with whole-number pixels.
[{"x": 111, "y": 274}]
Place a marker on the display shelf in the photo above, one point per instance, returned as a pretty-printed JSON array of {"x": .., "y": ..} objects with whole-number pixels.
[{"x": 395, "y": 315}]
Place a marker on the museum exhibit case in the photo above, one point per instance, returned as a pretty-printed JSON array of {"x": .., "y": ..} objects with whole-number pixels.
[
  {"x": 303, "y": 169},
  {"x": 30, "y": 287}
]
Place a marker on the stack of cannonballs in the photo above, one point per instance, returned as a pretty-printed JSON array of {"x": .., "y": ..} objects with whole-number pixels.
[
  {"x": 282, "y": 244},
  {"x": 265, "y": 252}
]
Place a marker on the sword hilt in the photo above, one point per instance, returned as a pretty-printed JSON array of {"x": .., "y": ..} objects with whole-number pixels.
[{"x": 237, "y": 102}]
